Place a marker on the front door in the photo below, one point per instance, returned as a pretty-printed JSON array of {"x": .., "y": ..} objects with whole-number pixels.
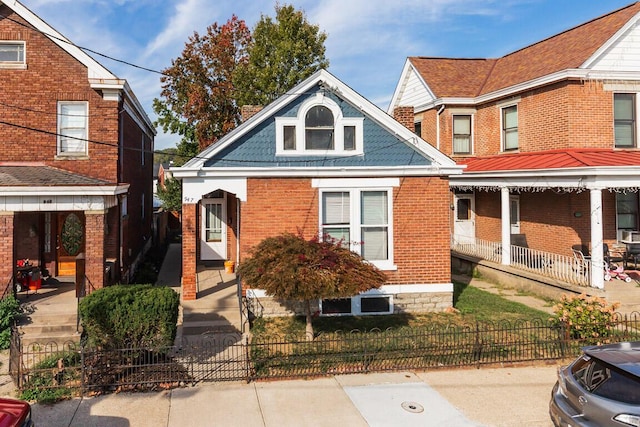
[
  {"x": 464, "y": 226},
  {"x": 70, "y": 241},
  {"x": 213, "y": 242}
]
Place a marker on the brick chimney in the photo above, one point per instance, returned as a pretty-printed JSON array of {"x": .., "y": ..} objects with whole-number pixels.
[
  {"x": 404, "y": 116},
  {"x": 248, "y": 111}
]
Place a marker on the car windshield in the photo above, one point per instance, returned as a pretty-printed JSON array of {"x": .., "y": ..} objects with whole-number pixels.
[{"x": 604, "y": 380}]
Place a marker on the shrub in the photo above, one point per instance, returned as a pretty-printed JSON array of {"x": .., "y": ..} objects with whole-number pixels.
[
  {"x": 586, "y": 318},
  {"x": 45, "y": 386},
  {"x": 9, "y": 309},
  {"x": 130, "y": 316}
]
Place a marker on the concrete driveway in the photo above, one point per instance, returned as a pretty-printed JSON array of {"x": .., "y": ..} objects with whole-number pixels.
[{"x": 465, "y": 397}]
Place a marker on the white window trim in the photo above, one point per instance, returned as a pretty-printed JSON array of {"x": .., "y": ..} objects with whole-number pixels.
[
  {"x": 17, "y": 65},
  {"x": 471, "y": 139},
  {"x": 356, "y": 306},
  {"x": 636, "y": 119},
  {"x": 355, "y": 228},
  {"x": 339, "y": 124},
  {"x": 511, "y": 103},
  {"x": 67, "y": 154}
]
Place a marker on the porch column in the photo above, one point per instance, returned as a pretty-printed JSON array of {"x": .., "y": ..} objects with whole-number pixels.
[
  {"x": 6, "y": 248},
  {"x": 506, "y": 226},
  {"x": 94, "y": 248},
  {"x": 597, "y": 255},
  {"x": 189, "y": 241}
]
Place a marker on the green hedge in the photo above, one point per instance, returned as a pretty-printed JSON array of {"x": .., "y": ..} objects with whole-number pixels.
[{"x": 130, "y": 316}]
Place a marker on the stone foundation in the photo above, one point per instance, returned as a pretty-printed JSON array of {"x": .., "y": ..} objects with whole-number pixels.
[{"x": 419, "y": 302}]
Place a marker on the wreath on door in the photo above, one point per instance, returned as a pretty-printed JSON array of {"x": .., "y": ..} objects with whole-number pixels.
[{"x": 72, "y": 234}]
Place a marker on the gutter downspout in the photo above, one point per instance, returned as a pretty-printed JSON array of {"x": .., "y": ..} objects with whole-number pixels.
[{"x": 440, "y": 110}]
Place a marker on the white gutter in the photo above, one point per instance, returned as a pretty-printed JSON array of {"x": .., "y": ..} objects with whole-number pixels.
[
  {"x": 440, "y": 110},
  {"x": 109, "y": 190},
  {"x": 365, "y": 171},
  {"x": 528, "y": 85}
]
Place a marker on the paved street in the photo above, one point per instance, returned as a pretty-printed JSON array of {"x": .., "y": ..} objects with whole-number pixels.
[{"x": 466, "y": 397}]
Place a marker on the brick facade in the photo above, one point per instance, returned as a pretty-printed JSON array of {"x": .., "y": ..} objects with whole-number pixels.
[
  {"x": 566, "y": 115},
  {"x": 31, "y": 96},
  {"x": 421, "y": 234},
  {"x": 190, "y": 239},
  {"x": 6, "y": 248}
]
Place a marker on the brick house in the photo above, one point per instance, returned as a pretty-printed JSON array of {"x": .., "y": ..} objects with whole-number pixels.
[
  {"x": 76, "y": 162},
  {"x": 324, "y": 160},
  {"x": 548, "y": 135}
]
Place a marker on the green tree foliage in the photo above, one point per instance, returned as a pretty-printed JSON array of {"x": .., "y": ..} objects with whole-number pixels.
[
  {"x": 289, "y": 267},
  {"x": 282, "y": 53},
  {"x": 130, "y": 316},
  {"x": 9, "y": 310},
  {"x": 171, "y": 195},
  {"x": 197, "y": 89},
  {"x": 165, "y": 156}
]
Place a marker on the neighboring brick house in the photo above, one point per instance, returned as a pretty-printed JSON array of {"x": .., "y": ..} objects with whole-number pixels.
[
  {"x": 323, "y": 160},
  {"x": 548, "y": 134},
  {"x": 76, "y": 161}
]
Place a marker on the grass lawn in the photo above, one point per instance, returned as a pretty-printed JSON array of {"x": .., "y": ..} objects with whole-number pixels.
[{"x": 473, "y": 305}]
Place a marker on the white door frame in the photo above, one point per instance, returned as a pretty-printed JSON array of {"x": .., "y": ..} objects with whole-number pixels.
[
  {"x": 213, "y": 239},
  {"x": 514, "y": 213},
  {"x": 464, "y": 221}
]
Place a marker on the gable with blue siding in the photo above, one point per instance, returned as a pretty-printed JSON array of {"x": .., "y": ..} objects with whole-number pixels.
[{"x": 257, "y": 148}]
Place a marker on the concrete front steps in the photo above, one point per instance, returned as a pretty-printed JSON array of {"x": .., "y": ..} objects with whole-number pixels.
[
  {"x": 201, "y": 321},
  {"x": 48, "y": 330}
]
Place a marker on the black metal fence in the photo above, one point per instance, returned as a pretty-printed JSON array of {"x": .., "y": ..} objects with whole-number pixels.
[{"x": 235, "y": 357}]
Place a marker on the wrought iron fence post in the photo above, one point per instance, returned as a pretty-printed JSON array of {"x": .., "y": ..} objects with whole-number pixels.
[
  {"x": 82, "y": 370},
  {"x": 247, "y": 362},
  {"x": 364, "y": 360}
]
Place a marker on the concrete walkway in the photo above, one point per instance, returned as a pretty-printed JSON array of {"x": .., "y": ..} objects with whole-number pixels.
[
  {"x": 511, "y": 294},
  {"x": 475, "y": 397}
]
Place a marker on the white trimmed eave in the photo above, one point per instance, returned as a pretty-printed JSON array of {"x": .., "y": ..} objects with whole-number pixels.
[
  {"x": 341, "y": 89},
  {"x": 604, "y": 49},
  {"x": 577, "y": 178},
  {"x": 402, "y": 84},
  {"x": 576, "y": 73},
  {"x": 95, "y": 69},
  {"x": 108, "y": 190},
  {"x": 365, "y": 171}
]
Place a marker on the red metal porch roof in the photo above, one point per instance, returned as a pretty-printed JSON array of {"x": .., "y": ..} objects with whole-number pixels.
[{"x": 556, "y": 159}]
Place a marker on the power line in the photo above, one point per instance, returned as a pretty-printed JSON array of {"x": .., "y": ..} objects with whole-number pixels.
[
  {"x": 230, "y": 161},
  {"x": 64, "y": 40}
]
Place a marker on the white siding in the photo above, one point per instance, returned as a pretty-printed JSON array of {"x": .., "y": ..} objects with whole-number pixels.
[
  {"x": 414, "y": 92},
  {"x": 623, "y": 55}
]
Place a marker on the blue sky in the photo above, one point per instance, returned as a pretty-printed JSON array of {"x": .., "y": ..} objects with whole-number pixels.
[{"x": 367, "y": 45}]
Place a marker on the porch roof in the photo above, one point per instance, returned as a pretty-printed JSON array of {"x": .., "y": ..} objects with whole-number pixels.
[
  {"x": 36, "y": 186},
  {"x": 555, "y": 159},
  {"x": 565, "y": 170},
  {"x": 40, "y": 175}
]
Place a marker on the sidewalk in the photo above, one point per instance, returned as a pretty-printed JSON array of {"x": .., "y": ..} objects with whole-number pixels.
[{"x": 470, "y": 397}]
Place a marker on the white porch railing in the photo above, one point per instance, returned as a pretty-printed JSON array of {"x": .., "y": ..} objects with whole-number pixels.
[{"x": 559, "y": 267}]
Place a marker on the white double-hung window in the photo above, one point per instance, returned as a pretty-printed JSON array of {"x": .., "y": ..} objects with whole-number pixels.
[
  {"x": 12, "y": 54},
  {"x": 359, "y": 214},
  {"x": 359, "y": 217},
  {"x": 73, "y": 129}
]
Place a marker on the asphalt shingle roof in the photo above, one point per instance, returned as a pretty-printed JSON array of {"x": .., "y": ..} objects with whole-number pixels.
[
  {"x": 449, "y": 77},
  {"x": 44, "y": 176}
]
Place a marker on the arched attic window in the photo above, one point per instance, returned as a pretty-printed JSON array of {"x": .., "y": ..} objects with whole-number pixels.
[
  {"x": 318, "y": 125},
  {"x": 319, "y": 129}
]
